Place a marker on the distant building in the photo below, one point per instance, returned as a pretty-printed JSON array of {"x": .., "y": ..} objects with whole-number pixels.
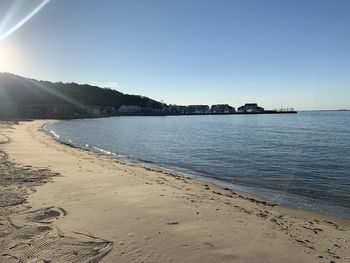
[
  {"x": 51, "y": 111},
  {"x": 250, "y": 107},
  {"x": 197, "y": 109},
  {"x": 47, "y": 111},
  {"x": 176, "y": 109},
  {"x": 222, "y": 109},
  {"x": 129, "y": 109},
  {"x": 58, "y": 111}
]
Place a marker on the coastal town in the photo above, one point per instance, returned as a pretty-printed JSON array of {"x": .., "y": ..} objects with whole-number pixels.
[
  {"x": 248, "y": 108},
  {"x": 63, "y": 111}
]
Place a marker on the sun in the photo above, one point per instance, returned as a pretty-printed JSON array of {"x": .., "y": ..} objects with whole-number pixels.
[
  {"x": 3, "y": 58},
  {"x": 8, "y": 57}
]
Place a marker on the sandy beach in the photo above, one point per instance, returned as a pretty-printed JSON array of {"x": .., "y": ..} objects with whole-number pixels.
[{"x": 63, "y": 204}]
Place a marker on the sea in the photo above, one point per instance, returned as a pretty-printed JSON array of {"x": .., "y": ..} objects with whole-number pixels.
[{"x": 297, "y": 160}]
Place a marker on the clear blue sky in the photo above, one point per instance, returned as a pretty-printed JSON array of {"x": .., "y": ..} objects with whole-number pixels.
[{"x": 290, "y": 53}]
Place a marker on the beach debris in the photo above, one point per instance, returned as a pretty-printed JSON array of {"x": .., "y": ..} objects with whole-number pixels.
[{"x": 172, "y": 223}]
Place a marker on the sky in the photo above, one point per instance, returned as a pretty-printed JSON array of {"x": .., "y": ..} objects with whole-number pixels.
[{"x": 278, "y": 53}]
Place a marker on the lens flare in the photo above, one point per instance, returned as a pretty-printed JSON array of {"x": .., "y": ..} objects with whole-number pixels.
[{"x": 24, "y": 20}]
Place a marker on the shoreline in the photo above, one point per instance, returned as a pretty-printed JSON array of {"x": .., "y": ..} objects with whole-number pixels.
[
  {"x": 150, "y": 166},
  {"x": 252, "y": 191},
  {"x": 179, "y": 219}
]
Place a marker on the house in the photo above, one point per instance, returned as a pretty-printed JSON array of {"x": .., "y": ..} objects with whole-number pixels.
[
  {"x": 222, "y": 109},
  {"x": 197, "y": 109},
  {"x": 250, "y": 107},
  {"x": 176, "y": 109}
]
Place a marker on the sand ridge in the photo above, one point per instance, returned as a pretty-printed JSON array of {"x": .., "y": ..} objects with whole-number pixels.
[{"x": 153, "y": 215}]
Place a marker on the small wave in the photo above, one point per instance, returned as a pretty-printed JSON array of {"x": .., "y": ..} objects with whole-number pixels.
[
  {"x": 86, "y": 146},
  {"x": 102, "y": 150},
  {"x": 54, "y": 134},
  {"x": 106, "y": 151}
]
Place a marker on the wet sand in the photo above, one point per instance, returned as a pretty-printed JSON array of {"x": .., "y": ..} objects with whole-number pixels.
[{"x": 63, "y": 204}]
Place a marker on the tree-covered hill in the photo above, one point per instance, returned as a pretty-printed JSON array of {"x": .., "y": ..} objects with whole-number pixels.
[{"x": 24, "y": 91}]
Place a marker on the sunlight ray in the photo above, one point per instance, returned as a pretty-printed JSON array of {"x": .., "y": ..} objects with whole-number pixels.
[
  {"x": 42, "y": 87},
  {"x": 24, "y": 20},
  {"x": 8, "y": 16}
]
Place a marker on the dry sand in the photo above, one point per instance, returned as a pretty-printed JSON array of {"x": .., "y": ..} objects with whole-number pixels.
[{"x": 63, "y": 204}]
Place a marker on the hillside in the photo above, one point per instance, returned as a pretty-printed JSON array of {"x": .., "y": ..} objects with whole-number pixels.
[{"x": 24, "y": 91}]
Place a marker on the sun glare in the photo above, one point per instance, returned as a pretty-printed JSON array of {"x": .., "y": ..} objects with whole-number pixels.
[
  {"x": 8, "y": 25},
  {"x": 8, "y": 58}
]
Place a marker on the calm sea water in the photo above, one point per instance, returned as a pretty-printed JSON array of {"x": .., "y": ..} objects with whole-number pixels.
[{"x": 299, "y": 160}]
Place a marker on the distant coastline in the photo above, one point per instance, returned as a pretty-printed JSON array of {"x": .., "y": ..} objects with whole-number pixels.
[
  {"x": 23, "y": 98},
  {"x": 58, "y": 111}
]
